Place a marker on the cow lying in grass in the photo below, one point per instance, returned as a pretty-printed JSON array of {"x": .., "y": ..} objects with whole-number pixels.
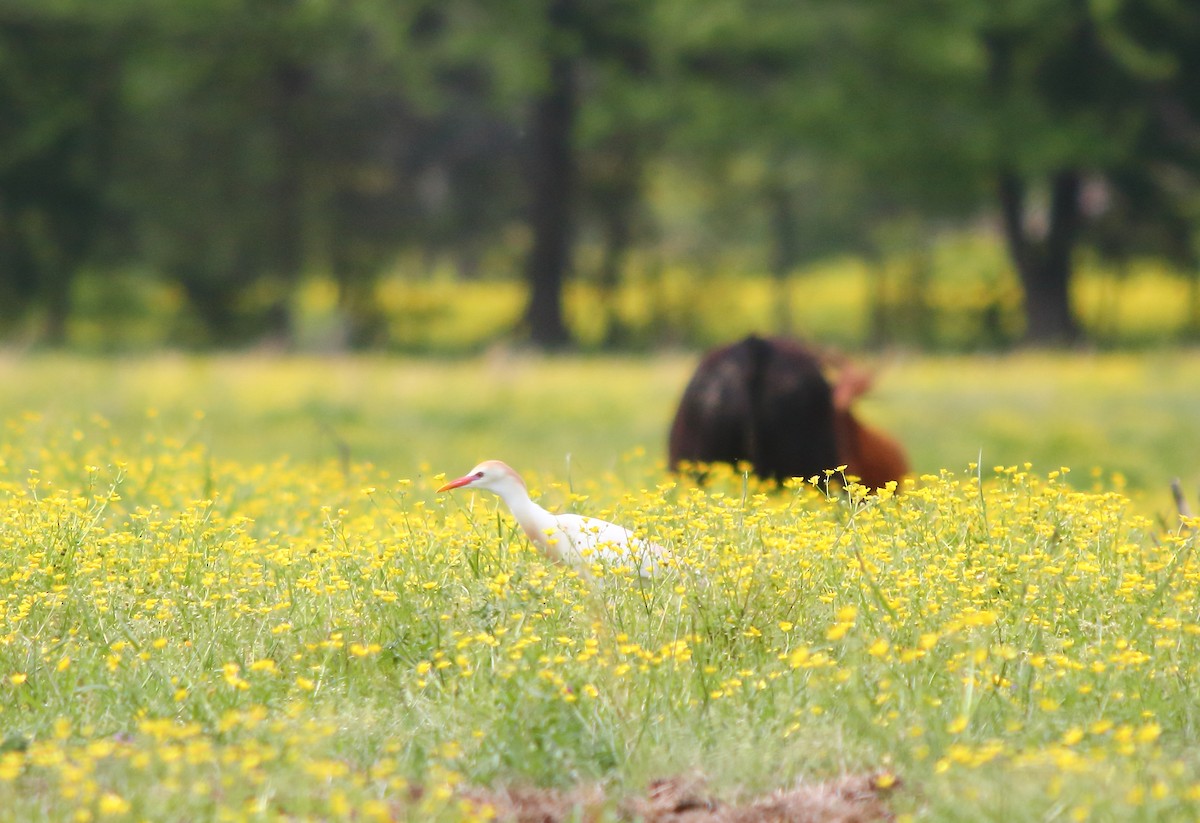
[{"x": 769, "y": 402}]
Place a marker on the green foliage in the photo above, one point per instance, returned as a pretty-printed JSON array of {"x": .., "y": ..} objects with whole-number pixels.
[
  {"x": 230, "y": 151},
  {"x": 958, "y": 294}
]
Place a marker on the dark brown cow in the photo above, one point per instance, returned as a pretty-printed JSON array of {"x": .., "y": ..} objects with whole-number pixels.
[{"x": 768, "y": 402}]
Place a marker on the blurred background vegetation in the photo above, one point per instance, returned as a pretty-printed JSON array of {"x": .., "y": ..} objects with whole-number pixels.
[{"x": 622, "y": 174}]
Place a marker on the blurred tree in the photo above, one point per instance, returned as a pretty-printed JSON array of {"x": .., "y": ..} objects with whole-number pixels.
[
  {"x": 934, "y": 103},
  {"x": 1086, "y": 89},
  {"x": 792, "y": 123},
  {"x": 220, "y": 157},
  {"x": 60, "y": 78},
  {"x": 621, "y": 132},
  {"x": 305, "y": 137},
  {"x": 552, "y": 172},
  {"x": 233, "y": 147},
  {"x": 561, "y": 69},
  {"x": 595, "y": 60},
  {"x": 1148, "y": 203}
]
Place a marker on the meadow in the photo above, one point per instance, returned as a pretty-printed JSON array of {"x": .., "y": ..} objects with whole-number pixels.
[{"x": 229, "y": 591}]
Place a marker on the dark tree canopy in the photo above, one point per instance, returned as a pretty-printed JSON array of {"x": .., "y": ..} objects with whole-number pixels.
[{"x": 231, "y": 150}]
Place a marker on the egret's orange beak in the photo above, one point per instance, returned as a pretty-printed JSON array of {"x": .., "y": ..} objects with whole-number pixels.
[{"x": 454, "y": 484}]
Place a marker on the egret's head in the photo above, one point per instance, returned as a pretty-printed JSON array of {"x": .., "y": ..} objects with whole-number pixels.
[{"x": 491, "y": 475}]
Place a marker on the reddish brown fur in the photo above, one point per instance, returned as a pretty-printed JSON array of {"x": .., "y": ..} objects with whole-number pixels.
[{"x": 869, "y": 454}]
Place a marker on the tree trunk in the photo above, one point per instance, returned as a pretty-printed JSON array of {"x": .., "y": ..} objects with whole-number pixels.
[
  {"x": 1043, "y": 262},
  {"x": 212, "y": 299},
  {"x": 58, "y": 308},
  {"x": 617, "y": 237},
  {"x": 1192, "y": 329},
  {"x": 552, "y": 181},
  {"x": 785, "y": 254},
  {"x": 879, "y": 304},
  {"x": 1189, "y": 261},
  {"x": 363, "y": 324},
  {"x": 290, "y": 84}
]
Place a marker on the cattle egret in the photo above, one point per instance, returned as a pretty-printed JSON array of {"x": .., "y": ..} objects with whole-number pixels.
[{"x": 571, "y": 539}]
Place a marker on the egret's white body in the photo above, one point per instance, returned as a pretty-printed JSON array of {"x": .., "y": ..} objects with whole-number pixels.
[{"x": 570, "y": 539}]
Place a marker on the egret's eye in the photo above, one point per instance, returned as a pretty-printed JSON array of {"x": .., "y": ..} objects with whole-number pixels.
[{"x": 478, "y": 475}]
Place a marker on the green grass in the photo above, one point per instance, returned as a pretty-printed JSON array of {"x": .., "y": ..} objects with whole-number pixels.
[
  {"x": 205, "y": 613},
  {"x": 1132, "y": 415}
]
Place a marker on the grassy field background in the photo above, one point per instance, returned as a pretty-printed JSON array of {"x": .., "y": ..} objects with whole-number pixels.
[
  {"x": 230, "y": 592},
  {"x": 1132, "y": 416}
]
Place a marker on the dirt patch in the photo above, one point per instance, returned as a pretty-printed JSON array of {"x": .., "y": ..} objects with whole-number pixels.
[
  {"x": 525, "y": 805},
  {"x": 851, "y": 799}
]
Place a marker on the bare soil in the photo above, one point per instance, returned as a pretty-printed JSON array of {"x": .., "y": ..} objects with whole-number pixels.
[{"x": 850, "y": 799}]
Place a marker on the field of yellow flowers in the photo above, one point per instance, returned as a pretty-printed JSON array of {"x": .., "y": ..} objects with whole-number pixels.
[{"x": 229, "y": 591}]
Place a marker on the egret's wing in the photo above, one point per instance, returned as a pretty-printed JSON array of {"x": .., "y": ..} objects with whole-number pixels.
[{"x": 598, "y": 540}]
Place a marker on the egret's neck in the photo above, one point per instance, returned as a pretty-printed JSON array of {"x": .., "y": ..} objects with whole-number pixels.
[
  {"x": 538, "y": 524},
  {"x": 530, "y": 516}
]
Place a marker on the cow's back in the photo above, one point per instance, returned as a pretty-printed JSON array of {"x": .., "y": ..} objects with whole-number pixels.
[{"x": 764, "y": 401}]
